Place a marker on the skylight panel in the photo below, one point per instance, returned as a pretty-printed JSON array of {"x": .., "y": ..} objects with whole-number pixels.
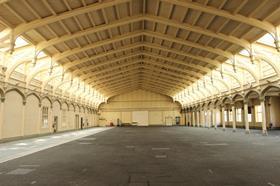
[
  {"x": 20, "y": 42},
  {"x": 41, "y": 54},
  {"x": 267, "y": 40},
  {"x": 244, "y": 53}
]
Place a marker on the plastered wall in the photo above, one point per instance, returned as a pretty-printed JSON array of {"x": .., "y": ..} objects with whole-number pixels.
[
  {"x": 122, "y": 106},
  {"x": 275, "y": 111},
  {"x": 32, "y": 115},
  {"x": 13, "y": 124},
  {"x": 21, "y": 115}
]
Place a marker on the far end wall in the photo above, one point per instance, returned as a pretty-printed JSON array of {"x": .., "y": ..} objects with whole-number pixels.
[{"x": 141, "y": 106}]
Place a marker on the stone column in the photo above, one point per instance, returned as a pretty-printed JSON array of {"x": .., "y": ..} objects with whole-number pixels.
[
  {"x": 201, "y": 118},
  {"x": 204, "y": 118},
  {"x": 193, "y": 119},
  {"x": 233, "y": 118},
  {"x": 209, "y": 118},
  {"x": 189, "y": 118},
  {"x": 198, "y": 118},
  {"x": 264, "y": 129},
  {"x": 185, "y": 117},
  {"x": 214, "y": 118},
  {"x": 223, "y": 118},
  {"x": 227, "y": 111},
  {"x": 185, "y": 112},
  {"x": 253, "y": 114},
  {"x": 268, "y": 120},
  {"x": 247, "y": 130},
  {"x": 1, "y": 116},
  {"x": 190, "y": 114}
]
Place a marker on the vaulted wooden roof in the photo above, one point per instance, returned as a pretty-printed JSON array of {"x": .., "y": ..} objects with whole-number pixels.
[{"x": 158, "y": 45}]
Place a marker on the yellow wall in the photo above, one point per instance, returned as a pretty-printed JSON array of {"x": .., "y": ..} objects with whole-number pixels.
[
  {"x": 32, "y": 115},
  {"x": 22, "y": 116},
  {"x": 13, "y": 115},
  {"x": 122, "y": 107},
  {"x": 275, "y": 111}
]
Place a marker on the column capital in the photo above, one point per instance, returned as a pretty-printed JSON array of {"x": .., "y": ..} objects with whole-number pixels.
[
  {"x": 245, "y": 101},
  {"x": 262, "y": 99}
]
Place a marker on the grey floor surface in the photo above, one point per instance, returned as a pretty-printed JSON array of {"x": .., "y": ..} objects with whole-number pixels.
[
  {"x": 19, "y": 148},
  {"x": 152, "y": 156}
]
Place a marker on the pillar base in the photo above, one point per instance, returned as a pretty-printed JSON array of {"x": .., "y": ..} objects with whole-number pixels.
[
  {"x": 264, "y": 133},
  {"x": 247, "y": 131}
]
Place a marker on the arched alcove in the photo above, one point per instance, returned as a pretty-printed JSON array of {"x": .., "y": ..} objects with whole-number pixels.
[
  {"x": 71, "y": 116},
  {"x": 46, "y": 117},
  {"x": 64, "y": 115},
  {"x": 57, "y": 114},
  {"x": 13, "y": 115},
  {"x": 32, "y": 115}
]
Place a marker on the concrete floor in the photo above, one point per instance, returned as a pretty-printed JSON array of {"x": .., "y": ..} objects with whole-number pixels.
[
  {"x": 152, "y": 156},
  {"x": 15, "y": 149}
]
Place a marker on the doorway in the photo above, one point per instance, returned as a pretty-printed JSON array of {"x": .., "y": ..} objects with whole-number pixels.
[
  {"x": 77, "y": 121},
  {"x": 177, "y": 120},
  {"x": 82, "y": 123},
  {"x": 55, "y": 124}
]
